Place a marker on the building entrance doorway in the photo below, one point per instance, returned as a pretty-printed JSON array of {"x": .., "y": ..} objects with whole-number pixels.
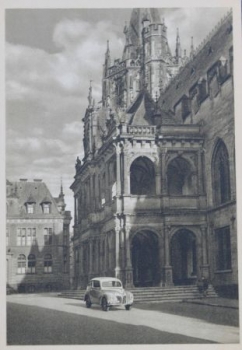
[
  {"x": 145, "y": 259},
  {"x": 184, "y": 257}
]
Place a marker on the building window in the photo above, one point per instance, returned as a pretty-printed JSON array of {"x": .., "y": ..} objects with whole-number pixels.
[
  {"x": 31, "y": 236},
  {"x": 46, "y": 208},
  {"x": 223, "y": 256},
  {"x": 31, "y": 264},
  {"x": 30, "y": 208},
  {"x": 48, "y": 263},
  {"x": 48, "y": 236},
  {"x": 7, "y": 236},
  {"x": 65, "y": 235},
  {"x": 21, "y": 236},
  {"x": 65, "y": 263},
  {"x": 221, "y": 174},
  {"x": 21, "y": 264}
]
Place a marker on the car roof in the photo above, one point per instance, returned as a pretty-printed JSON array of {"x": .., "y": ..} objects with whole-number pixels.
[{"x": 106, "y": 279}]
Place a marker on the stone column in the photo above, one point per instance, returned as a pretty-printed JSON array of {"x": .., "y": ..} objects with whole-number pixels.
[
  {"x": 161, "y": 260},
  {"x": 117, "y": 253},
  {"x": 167, "y": 268},
  {"x": 126, "y": 173},
  {"x": 128, "y": 263},
  {"x": 199, "y": 172},
  {"x": 163, "y": 172},
  {"x": 205, "y": 265},
  {"x": 158, "y": 181},
  {"x": 90, "y": 258},
  {"x": 118, "y": 170}
]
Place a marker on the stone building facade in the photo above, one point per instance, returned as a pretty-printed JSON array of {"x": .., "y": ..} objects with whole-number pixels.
[
  {"x": 155, "y": 196},
  {"x": 37, "y": 238}
]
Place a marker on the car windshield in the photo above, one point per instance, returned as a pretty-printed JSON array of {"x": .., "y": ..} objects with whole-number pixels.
[{"x": 111, "y": 284}]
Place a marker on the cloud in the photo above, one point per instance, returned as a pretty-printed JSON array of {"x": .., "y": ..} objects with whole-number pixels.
[{"x": 47, "y": 92}]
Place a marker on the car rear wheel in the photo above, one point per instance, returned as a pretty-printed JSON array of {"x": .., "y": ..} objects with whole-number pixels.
[
  {"x": 127, "y": 307},
  {"x": 88, "y": 303},
  {"x": 105, "y": 306}
]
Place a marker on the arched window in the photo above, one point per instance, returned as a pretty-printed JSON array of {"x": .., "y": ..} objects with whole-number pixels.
[
  {"x": 179, "y": 177},
  {"x": 221, "y": 174},
  {"x": 31, "y": 263},
  {"x": 142, "y": 177},
  {"x": 22, "y": 264},
  {"x": 48, "y": 263}
]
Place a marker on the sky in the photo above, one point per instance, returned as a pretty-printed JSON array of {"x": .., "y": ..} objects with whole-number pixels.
[{"x": 51, "y": 56}]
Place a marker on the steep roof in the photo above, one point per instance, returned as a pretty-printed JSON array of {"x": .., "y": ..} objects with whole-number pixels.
[
  {"x": 141, "y": 111},
  {"x": 23, "y": 192}
]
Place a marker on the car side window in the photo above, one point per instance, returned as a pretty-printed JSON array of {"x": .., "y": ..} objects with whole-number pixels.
[{"x": 96, "y": 284}]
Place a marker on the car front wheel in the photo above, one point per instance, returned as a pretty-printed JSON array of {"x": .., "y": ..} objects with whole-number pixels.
[
  {"x": 88, "y": 303},
  {"x": 127, "y": 307},
  {"x": 105, "y": 306}
]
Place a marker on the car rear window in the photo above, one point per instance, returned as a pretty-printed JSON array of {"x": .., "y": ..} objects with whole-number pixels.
[{"x": 111, "y": 284}]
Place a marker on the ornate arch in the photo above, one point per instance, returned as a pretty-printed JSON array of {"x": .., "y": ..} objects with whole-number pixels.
[
  {"x": 221, "y": 184},
  {"x": 142, "y": 176}
]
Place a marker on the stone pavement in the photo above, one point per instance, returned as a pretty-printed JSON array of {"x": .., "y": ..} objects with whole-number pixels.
[{"x": 175, "y": 324}]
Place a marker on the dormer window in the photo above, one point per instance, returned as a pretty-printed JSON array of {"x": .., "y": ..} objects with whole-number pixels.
[
  {"x": 30, "y": 205},
  {"x": 46, "y": 208},
  {"x": 30, "y": 208}
]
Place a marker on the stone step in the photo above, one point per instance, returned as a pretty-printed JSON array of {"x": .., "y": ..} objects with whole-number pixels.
[{"x": 153, "y": 294}]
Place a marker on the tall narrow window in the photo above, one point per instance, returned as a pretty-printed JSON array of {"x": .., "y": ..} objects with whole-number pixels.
[
  {"x": 65, "y": 235},
  {"x": 65, "y": 263},
  {"x": 221, "y": 174},
  {"x": 223, "y": 254},
  {"x": 48, "y": 263},
  {"x": 31, "y": 236},
  {"x": 21, "y": 236},
  {"x": 21, "y": 264},
  {"x": 31, "y": 264},
  {"x": 48, "y": 236}
]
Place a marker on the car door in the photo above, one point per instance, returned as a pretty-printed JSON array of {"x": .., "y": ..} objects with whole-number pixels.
[{"x": 95, "y": 291}]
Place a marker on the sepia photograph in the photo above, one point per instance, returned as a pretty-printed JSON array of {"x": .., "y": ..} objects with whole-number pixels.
[{"x": 120, "y": 174}]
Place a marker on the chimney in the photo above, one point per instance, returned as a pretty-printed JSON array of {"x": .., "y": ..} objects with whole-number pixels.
[
  {"x": 23, "y": 180},
  {"x": 37, "y": 180}
]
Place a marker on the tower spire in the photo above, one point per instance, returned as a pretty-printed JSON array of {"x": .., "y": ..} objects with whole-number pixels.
[
  {"x": 192, "y": 48},
  {"x": 90, "y": 95},
  {"x": 61, "y": 188},
  {"x": 178, "y": 47}
]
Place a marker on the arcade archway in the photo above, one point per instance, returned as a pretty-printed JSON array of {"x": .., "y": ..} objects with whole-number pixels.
[
  {"x": 145, "y": 259},
  {"x": 184, "y": 257}
]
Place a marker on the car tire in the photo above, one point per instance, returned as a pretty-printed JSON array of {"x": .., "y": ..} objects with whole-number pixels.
[
  {"x": 105, "y": 306},
  {"x": 88, "y": 303},
  {"x": 127, "y": 307}
]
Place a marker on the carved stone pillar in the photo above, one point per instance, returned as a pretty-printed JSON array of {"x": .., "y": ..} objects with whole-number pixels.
[
  {"x": 163, "y": 172},
  {"x": 158, "y": 182},
  {"x": 118, "y": 170},
  {"x": 117, "y": 253},
  {"x": 205, "y": 265},
  {"x": 125, "y": 172},
  {"x": 90, "y": 258},
  {"x": 168, "y": 279},
  {"x": 128, "y": 267}
]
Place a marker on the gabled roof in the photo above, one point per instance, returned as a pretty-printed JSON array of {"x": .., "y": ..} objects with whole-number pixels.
[
  {"x": 30, "y": 192},
  {"x": 142, "y": 110}
]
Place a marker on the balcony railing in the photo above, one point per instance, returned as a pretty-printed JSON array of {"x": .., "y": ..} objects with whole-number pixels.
[{"x": 141, "y": 130}]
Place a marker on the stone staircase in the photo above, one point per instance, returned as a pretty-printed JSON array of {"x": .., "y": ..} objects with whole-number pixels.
[{"x": 153, "y": 294}]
